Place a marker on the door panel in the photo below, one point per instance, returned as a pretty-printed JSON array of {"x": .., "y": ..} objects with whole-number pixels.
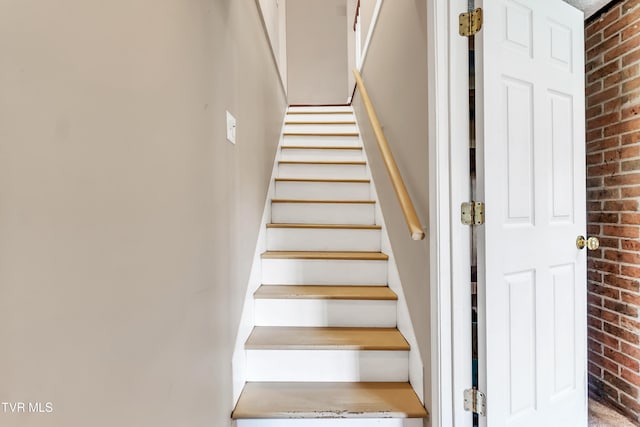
[{"x": 531, "y": 176}]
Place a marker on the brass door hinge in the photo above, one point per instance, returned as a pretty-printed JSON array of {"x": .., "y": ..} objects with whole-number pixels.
[
  {"x": 475, "y": 401},
  {"x": 470, "y": 22},
  {"x": 472, "y": 213}
]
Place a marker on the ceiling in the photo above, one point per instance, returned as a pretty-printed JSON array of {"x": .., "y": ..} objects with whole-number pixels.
[{"x": 588, "y": 6}]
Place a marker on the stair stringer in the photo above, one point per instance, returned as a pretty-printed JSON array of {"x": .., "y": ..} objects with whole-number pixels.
[
  {"x": 247, "y": 318},
  {"x": 405, "y": 326}
]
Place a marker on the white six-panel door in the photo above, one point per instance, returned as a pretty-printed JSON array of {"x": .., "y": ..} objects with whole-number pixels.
[{"x": 532, "y": 278}]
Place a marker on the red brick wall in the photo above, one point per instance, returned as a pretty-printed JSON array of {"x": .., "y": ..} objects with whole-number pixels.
[{"x": 613, "y": 182}]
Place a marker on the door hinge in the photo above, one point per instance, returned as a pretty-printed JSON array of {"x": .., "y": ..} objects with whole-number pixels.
[
  {"x": 472, "y": 213},
  {"x": 470, "y": 22},
  {"x": 475, "y": 401}
]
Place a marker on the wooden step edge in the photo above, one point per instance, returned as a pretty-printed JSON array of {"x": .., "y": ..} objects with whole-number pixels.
[
  {"x": 326, "y": 292},
  {"x": 336, "y": 202},
  {"x": 326, "y": 226},
  {"x": 320, "y": 123},
  {"x": 319, "y": 147},
  {"x": 326, "y": 338},
  {"x": 312, "y": 400},
  {"x": 326, "y": 255},
  {"x": 319, "y": 112},
  {"x": 329, "y": 180},
  {"x": 322, "y": 162},
  {"x": 345, "y": 134}
]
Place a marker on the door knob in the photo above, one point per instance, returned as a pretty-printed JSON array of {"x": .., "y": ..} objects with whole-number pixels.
[{"x": 592, "y": 243}]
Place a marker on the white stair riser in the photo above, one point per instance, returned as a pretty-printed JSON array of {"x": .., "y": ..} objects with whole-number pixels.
[
  {"x": 327, "y": 365},
  {"x": 320, "y": 312},
  {"x": 331, "y": 108},
  {"x": 323, "y": 141},
  {"x": 321, "y": 128},
  {"x": 323, "y": 213},
  {"x": 332, "y": 422},
  {"x": 323, "y": 272},
  {"x": 323, "y": 239},
  {"x": 346, "y": 117},
  {"x": 323, "y": 190},
  {"x": 307, "y": 154},
  {"x": 332, "y": 171}
]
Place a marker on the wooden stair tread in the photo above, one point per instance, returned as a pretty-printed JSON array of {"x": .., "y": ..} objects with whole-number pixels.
[
  {"x": 325, "y": 338},
  {"x": 319, "y": 112},
  {"x": 371, "y": 293},
  {"x": 328, "y": 400},
  {"x": 326, "y": 255},
  {"x": 319, "y": 147},
  {"x": 330, "y": 180},
  {"x": 321, "y": 134},
  {"x": 321, "y": 123},
  {"x": 326, "y": 226},
  {"x": 322, "y": 162},
  {"x": 365, "y": 202}
]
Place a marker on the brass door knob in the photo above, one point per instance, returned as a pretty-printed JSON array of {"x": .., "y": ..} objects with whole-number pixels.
[{"x": 592, "y": 243}]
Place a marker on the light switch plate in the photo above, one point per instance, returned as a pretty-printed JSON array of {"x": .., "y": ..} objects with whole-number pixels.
[{"x": 231, "y": 128}]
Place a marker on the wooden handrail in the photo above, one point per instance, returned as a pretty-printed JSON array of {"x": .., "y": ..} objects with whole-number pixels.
[{"x": 409, "y": 211}]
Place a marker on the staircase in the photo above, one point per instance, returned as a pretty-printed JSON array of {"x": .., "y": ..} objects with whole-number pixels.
[{"x": 325, "y": 349}]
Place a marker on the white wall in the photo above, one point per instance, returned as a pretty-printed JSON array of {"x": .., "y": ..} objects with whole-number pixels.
[
  {"x": 127, "y": 222},
  {"x": 317, "y": 51},
  {"x": 274, "y": 16}
]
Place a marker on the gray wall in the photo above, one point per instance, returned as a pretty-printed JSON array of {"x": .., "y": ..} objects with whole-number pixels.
[
  {"x": 317, "y": 51},
  {"x": 395, "y": 73},
  {"x": 127, "y": 223}
]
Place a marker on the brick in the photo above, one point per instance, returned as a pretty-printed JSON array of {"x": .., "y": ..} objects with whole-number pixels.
[
  {"x": 630, "y": 245},
  {"x": 621, "y": 385},
  {"x": 630, "y": 85},
  {"x": 606, "y": 267},
  {"x": 630, "y": 219},
  {"x": 594, "y": 346},
  {"x": 602, "y": 144},
  {"x": 621, "y": 206},
  {"x": 629, "y": 152},
  {"x": 594, "y": 206},
  {"x": 632, "y": 138},
  {"x": 621, "y": 231},
  {"x": 630, "y": 58},
  {"x": 625, "y": 20},
  {"x": 623, "y": 127},
  {"x": 625, "y": 179},
  {"x": 630, "y": 4},
  {"x": 630, "y": 376},
  {"x": 630, "y": 111},
  {"x": 621, "y": 282},
  {"x": 593, "y": 135},
  {"x": 593, "y": 229},
  {"x": 627, "y": 270},
  {"x": 603, "y": 338},
  {"x": 594, "y": 369},
  {"x": 632, "y": 406},
  {"x": 604, "y": 71},
  {"x": 604, "y": 291},
  {"x": 604, "y": 194},
  {"x": 595, "y": 182},
  {"x": 623, "y": 47},
  {"x": 594, "y": 111},
  {"x": 609, "y": 317},
  {"x": 609, "y": 242},
  {"x": 631, "y": 298},
  {"x": 621, "y": 333},
  {"x": 624, "y": 257},
  {"x": 621, "y": 359},
  {"x": 594, "y": 322},
  {"x": 630, "y": 192},
  {"x": 605, "y": 45},
  {"x": 620, "y": 76},
  {"x": 604, "y": 120},
  {"x": 619, "y": 307},
  {"x": 594, "y": 301},
  {"x": 595, "y": 158},
  {"x": 603, "y": 217},
  {"x": 630, "y": 324},
  {"x": 611, "y": 155},
  {"x": 630, "y": 350},
  {"x": 604, "y": 21},
  {"x": 629, "y": 32},
  {"x": 631, "y": 165},
  {"x": 605, "y": 95},
  {"x": 592, "y": 41}
]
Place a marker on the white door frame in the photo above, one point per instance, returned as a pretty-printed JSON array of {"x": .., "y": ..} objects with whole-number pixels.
[{"x": 449, "y": 239}]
